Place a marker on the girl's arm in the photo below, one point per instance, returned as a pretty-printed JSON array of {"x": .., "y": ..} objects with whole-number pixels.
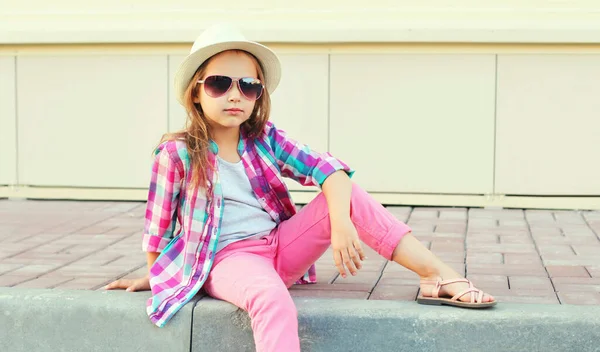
[
  {"x": 337, "y": 189},
  {"x": 161, "y": 212},
  {"x": 298, "y": 162},
  {"x": 345, "y": 243}
]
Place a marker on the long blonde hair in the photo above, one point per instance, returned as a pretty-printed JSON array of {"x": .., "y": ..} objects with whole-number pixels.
[{"x": 197, "y": 134}]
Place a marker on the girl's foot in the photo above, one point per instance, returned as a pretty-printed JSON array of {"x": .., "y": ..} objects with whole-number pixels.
[{"x": 452, "y": 287}]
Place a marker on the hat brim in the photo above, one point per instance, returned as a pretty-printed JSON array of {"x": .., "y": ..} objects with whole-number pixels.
[{"x": 267, "y": 58}]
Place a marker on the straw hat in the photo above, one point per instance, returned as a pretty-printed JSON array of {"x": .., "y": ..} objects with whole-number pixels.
[{"x": 216, "y": 39}]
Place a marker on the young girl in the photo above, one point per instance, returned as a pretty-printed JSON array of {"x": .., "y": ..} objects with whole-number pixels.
[{"x": 239, "y": 237}]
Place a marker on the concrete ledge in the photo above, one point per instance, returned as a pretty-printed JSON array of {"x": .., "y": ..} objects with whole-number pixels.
[
  {"x": 357, "y": 325},
  {"x": 583, "y": 202},
  {"x": 60, "y": 320}
]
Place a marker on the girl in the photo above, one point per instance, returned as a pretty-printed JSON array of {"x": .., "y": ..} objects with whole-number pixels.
[{"x": 239, "y": 237}]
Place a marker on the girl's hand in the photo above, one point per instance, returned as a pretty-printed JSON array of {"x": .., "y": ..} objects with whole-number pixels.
[
  {"x": 346, "y": 247},
  {"x": 141, "y": 284}
]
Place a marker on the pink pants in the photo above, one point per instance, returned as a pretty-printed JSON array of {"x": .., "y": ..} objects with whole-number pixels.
[{"x": 255, "y": 274}]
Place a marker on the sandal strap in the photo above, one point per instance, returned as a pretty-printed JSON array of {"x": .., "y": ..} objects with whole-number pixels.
[
  {"x": 472, "y": 291},
  {"x": 454, "y": 281}
]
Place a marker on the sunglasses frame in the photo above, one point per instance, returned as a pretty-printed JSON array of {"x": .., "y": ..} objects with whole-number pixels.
[{"x": 237, "y": 81}]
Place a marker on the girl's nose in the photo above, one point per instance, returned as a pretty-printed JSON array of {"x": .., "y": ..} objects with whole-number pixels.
[{"x": 234, "y": 93}]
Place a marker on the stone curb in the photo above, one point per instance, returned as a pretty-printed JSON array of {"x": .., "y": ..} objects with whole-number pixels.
[
  {"x": 59, "y": 320},
  {"x": 84, "y": 321}
]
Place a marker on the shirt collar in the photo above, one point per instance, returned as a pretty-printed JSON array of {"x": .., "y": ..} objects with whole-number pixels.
[{"x": 214, "y": 148}]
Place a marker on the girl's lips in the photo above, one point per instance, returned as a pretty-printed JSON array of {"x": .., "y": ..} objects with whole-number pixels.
[{"x": 234, "y": 111}]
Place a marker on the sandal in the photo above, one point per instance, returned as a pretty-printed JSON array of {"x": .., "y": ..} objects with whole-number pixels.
[{"x": 476, "y": 295}]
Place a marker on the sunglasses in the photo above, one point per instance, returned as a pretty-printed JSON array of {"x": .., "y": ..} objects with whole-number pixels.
[{"x": 217, "y": 86}]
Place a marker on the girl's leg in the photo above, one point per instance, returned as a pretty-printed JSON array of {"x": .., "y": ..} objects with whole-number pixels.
[
  {"x": 307, "y": 235},
  {"x": 247, "y": 278}
]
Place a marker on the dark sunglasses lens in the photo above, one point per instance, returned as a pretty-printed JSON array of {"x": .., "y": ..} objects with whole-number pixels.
[
  {"x": 216, "y": 86},
  {"x": 251, "y": 88}
]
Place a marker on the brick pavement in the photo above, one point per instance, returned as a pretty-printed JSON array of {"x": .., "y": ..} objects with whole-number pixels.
[{"x": 528, "y": 256}]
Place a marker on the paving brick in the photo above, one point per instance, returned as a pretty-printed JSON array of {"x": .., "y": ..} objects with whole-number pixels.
[
  {"x": 570, "y": 260},
  {"x": 484, "y": 258},
  {"x": 11, "y": 280},
  {"x": 90, "y": 271},
  {"x": 528, "y": 299},
  {"x": 482, "y": 224},
  {"x": 367, "y": 279},
  {"x": 560, "y": 287},
  {"x": 507, "y": 269},
  {"x": 452, "y": 247},
  {"x": 43, "y": 282},
  {"x": 555, "y": 249},
  {"x": 576, "y": 280},
  {"x": 515, "y": 240},
  {"x": 399, "y": 281},
  {"x": 593, "y": 270},
  {"x": 8, "y": 267},
  {"x": 424, "y": 213},
  {"x": 401, "y": 213},
  {"x": 542, "y": 231},
  {"x": 143, "y": 271},
  {"x": 330, "y": 294},
  {"x": 567, "y": 271},
  {"x": 125, "y": 230},
  {"x": 530, "y": 283},
  {"x": 496, "y": 281},
  {"x": 579, "y": 232},
  {"x": 338, "y": 287},
  {"x": 496, "y": 214},
  {"x": 325, "y": 276},
  {"x": 481, "y": 238},
  {"x": 513, "y": 223},
  {"x": 31, "y": 258},
  {"x": 587, "y": 250},
  {"x": 502, "y": 248},
  {"x": 539, "y": 216},
  {"x": 579, "y": 298},
  {"x": 98, "y": 258},
  {"x": 540, "y": 292},
  {"x": 454, "y": 214},
  {"x": 516, "y": 258},
  {"x": 569, "y": 217},
  {"x": 398, "y": 271},
  {"x": 85, "y": 284},
  {"x": 37, "y": 269},
  {"x": 460, "y": 228},
  {"x": 566, "y": 240},
  {"x": 394, "y": 292}
]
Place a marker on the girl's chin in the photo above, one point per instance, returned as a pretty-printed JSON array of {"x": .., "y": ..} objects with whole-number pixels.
[{"x": 230, "y": 122}]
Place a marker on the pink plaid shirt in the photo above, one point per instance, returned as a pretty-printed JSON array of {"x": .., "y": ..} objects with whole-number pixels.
[{"x": 187, "y": 251}]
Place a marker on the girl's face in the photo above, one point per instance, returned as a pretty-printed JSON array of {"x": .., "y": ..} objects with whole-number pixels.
[{"x": 230, "y": 110}]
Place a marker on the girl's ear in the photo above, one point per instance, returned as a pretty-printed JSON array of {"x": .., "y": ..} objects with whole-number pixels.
[{"x": 197, "y": 99}]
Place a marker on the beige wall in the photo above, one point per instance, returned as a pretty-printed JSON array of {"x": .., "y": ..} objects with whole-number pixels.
[
  {"x": 423, "y": 119},
  {"x": 8, "y": 128},
  {"x": 548, "y": 124},
  {"x": 126, "y": 21}
]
